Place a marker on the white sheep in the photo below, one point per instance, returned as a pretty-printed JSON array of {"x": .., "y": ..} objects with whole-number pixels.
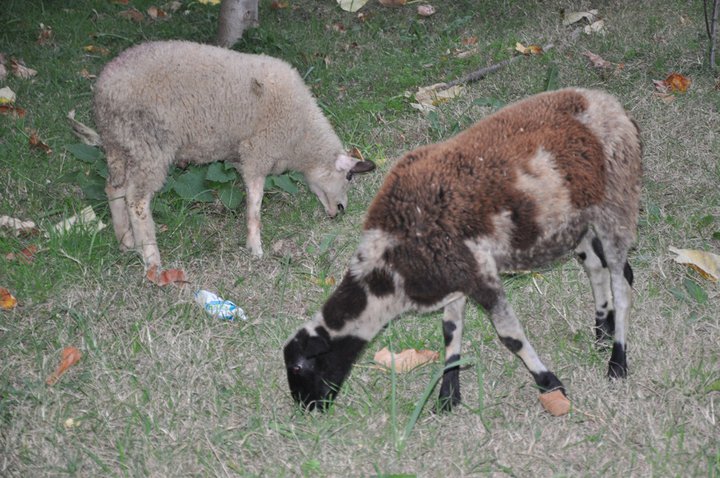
[
  {"x": 523, "y": 187},
  {"x": 164, "y": 103}
]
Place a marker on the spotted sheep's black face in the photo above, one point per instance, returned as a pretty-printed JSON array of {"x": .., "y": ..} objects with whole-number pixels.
[{"x": 317, "y": 366}]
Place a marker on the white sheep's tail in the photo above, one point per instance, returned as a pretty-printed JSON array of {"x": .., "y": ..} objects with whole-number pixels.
[{"x": 86, "y": 134}]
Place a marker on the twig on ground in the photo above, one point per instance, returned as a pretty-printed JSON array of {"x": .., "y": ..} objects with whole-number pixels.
[
  {"x": 483, "y": 72},
  {"x": 711, "y": 28}
]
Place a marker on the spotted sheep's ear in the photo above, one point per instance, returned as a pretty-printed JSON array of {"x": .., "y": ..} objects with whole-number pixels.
[
  {"x": 353, "y": 166},
  {"x": 315, "y": 346}
]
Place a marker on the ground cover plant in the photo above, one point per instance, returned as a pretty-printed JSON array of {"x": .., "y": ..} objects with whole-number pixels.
[{"x": 163, "y": 389}]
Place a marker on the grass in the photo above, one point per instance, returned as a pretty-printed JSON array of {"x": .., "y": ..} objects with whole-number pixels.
[{"x": 163, "y": 390}]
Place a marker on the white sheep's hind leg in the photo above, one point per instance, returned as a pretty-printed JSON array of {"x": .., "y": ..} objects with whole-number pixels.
[
  {"x": 143, "y": 227},
  {"x": 120, "y": 218},
  {"x": 452, "y": 334},
  {"x": 490, "y": 295},
  {"x": 255, "y": 188},
  {"x": 591, "y": 256}
]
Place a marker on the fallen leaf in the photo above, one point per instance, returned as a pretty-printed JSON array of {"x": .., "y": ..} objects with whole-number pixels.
[
  {"x": 71, "y": 423},
  {"x": 678, "y": 82},
  {"x": 12, "y": 110},
  {"x": 132, "y": 14},
  {"x": 20, "y": 70},
  {"x": 27, "y": 255},
  {"x": 156, "y": 13},
  {"x": 279, "y": 4},
  {"x": 36, "y": 143},
  {"x": 209, "y": 2},
  {"x": 595, "y": 27},
  {"x": 406, "y": 360},
  {"x": 328, "y": 281},
  {"x": 528, "y": 50},
  {"x": 173, "y": 6},
  {"x": 96, "y": 49},
  {"x": 706, "y": 264},
  {"x": 356, "y": 153},
  {"x": 351, "y": 5},
  {"x": 7, "y": 95},
  {"x": 393, "y": 3},
  {"x": 86, "y": 218},
  {"x": 597, "y": 61},
  {"x": 574, "y": 17},
  {"x": 87, "y": 75},
  {"x": 7, "y": 301},
  {"x": 467, "y": 41},
  {"x": 168, "y": 276},
  {"x": 425, "y": 10},
  {"x": 45, "y": 35},
  {"x": 338, "y": 27},
  {"x": 555, "y": 402},
  {"x": 428, "y": 97},
  {"x": 68, "y": 357},
  {"x": 17, "y": 226}
]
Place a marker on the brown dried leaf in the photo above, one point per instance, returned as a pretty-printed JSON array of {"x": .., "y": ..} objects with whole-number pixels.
[
  {"x": 27, "y": 255},
  {"x": 425, "y": 10},
  {"x": 356, "y": 153},
  {"x": 169, "y": 276},
  {"x": 132, "y": 14},
  {"x": 20, "y": 70},
  {"x": 36, "y": 143},
  {"x": 68, "y": 357},
  {"x": 12, "y": 110},
  {"x": 97, "y": 49},
  {"x": 555, "y": 402},
  {"x": 279, "y": 4},
  {"x": 528, "y": 50},
  {"x": 45, "y": 35},
  {"x": 7, "y": 301},
  {"x": 706, "y": 264},
  {"x": 87, "y": 75},
  {"x": 406, "y": 360},
  {"x": 597, "y": 61},
  {"x": 156, "y": 13},
  {"x": 17, "y": 226},
  {"x": 467, "y": 41}
]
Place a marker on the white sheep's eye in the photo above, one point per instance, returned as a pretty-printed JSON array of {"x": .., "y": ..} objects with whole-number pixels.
[{"x": 349, "y": 175}]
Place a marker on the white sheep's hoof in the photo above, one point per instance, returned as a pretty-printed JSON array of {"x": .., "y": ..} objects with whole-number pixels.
[{"x": 255, "y": 250}]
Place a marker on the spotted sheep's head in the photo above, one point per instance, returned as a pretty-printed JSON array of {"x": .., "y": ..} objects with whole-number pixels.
[
  {"x": 331, "y": 185},
  {"x": 317, "y": 365}
]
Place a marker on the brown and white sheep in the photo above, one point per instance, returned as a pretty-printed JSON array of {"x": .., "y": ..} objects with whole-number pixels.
[
  {"x": 164, "y": 103},
  {"x": 555, "y": 173}
]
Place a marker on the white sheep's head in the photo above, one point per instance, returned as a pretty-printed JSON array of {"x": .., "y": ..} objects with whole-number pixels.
[{"x": 330, "y": 185}]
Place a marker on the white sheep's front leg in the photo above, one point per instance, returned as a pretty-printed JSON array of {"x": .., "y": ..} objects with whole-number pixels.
[
  {"x": 255, "y": 188},
  {"x": 120, "y": 218},
  {"x": 143, "y": 227},
  {"x": 452, "y": 335}
]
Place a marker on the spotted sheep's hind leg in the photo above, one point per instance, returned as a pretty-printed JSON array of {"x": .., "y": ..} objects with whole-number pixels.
[
  {"x": 611, "y": 278},
  {"x": 591, "y": 256},
  {"x": 489, "y": 293},
  {"x": 452, "y": 335}
]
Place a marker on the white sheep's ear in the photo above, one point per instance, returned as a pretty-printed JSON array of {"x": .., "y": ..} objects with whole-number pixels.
[{"x": 343, "y": 162}]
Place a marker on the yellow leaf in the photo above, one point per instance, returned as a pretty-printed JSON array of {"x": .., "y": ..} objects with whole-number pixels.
[
  {"x": 7, "y": 95},
  {"x": 7, "y": 301},
  {"x": 428, "y": 97},
  {"x": 209, "y": 2},
  {"x": 406, "y": 360},
  {"x": 706, "y": 264},
  {"x": 351, "y": 5}
]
